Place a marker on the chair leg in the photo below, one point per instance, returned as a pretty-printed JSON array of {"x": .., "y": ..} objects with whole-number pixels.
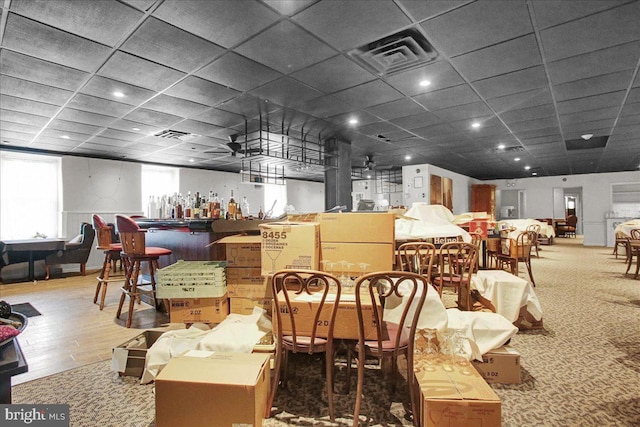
[
  {"x": 47, "y": 272},
  {"x": 105, "y": 263},
  {"x": 528, "y": 263},
  {"x": 356, "y": 409},
  {"x": 83, "y": 269},
  {"x": 126, "y": 287},
  {"x": 329, "y": 368},
  {"x": 133, "y": 295},
  {"x": 276, "y": 378}
]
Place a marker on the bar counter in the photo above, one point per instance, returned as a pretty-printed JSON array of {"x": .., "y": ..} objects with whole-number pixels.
[{"x": 188, "y": 239}]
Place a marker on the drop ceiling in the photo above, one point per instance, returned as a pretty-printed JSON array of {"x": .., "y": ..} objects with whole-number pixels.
[{"x": 531, "y": 74}]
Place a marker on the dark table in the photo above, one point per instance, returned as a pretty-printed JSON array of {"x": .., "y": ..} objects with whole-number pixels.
[
  {"x": 12, "y": 362},
  {"x": 30, "y": 250}
]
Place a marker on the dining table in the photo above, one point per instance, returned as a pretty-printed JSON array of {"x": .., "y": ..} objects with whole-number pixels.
[
  {"x": 626, "y": 227},
  {"x": 28, "y": 250}
]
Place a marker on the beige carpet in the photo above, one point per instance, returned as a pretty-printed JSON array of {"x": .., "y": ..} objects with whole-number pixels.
[{"x": 582, "y": 369}]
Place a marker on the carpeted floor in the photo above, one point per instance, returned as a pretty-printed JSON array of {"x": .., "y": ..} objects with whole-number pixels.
[{"x": 581, "y": 369}]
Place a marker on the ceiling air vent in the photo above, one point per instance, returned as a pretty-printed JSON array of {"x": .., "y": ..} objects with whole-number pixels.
[
  {"x": 514, "y": 149},
  {"x": 586, "y": 144},
  {"x": 397, "y": 52},
  {"x": 176, "y": 134}
]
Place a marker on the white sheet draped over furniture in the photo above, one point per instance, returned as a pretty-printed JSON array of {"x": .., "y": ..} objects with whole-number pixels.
[
  {"x": 522, "y": 224},
  {"x": 429, "y": 221},
  {"x": 485, "y": 331},
  {"x": 507, "y": 293},
  {"x": 627, "y": 226}
]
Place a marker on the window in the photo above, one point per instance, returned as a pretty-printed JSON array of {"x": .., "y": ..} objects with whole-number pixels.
[
  {"x": 275, "y": 200},
  {"x": 30, "y": 195},
  {"x": 157, "y": 181}
]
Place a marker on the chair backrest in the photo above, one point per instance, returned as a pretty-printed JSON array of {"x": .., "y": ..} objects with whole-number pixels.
[
  {"x": 572, "y": 220},
  {"x": 417, "y": 257},
  {"x": 131, "y": 236},
  {"x": 476, "y": 238},
  {"x": 524, "y": 241},
  {"x": 635, "y": 233},
  {"x": 88, "y": 234},
  {"x": 323, "y": 289},
  {"x": 103, "y": 231},
  {"x": 536, "y": 229},
  {"x": 407, "y": 287},
  {"x": 458, "y": 259}
]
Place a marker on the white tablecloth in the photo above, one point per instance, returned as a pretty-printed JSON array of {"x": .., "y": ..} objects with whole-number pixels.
[
  {"x": 507, "y": 293},
  {"x": 627, "y": 226}
]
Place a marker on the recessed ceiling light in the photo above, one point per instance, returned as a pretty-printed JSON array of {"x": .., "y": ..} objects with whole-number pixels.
[
  {"x": 517, "y": 159},
  {"x": 527, "y": 168},
  {"x": 407, "y": 157},
  {"x": 353, "y": 121},
  {"x": 65, "y": 137},
  {"x": 191, "y": 160},
  {"x": 534, "y": 173},
  {"x": 118, "y": 94},
  {"x": 425, "y": 83},
  {"x": 587, "y": 136},
  {"x": 135, "y": 128},
  {"x": 475, "y": 125},
  {"x": 501, "y": 147}
]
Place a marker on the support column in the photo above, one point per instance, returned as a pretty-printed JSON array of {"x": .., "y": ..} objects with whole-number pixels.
[{"x": 337, "y": 176}]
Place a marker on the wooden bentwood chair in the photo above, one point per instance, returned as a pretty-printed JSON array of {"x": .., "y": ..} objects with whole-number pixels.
[
  {"x": 519, "y": 251},
  {"x": 416, "y": 257},
  {"x": 536, "y": 243},
  {"x": 392, "y": 338},
  {"x": 134, "y": 253},
  {"x": 458, "y": 262},
  {"x": 297, "y": 333},
  {"x": 633, "y": 250}
]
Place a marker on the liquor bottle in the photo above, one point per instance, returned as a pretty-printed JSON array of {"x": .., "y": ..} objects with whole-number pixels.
[
  {"x": 245, "y": 207},
  {"x": 232, "y": 208},
  {"x": 223, "y": 212},
  {"x": 179, "y": 207},
  {"x": 260, "y": 213},
  {"x": 196, "y": 206},
  {"x": 188, "y": 207},
  {"x": 216, "y": 207}
]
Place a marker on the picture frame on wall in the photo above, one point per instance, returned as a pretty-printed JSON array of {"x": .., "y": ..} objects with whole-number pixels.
[{"x": 417, "y": 182}]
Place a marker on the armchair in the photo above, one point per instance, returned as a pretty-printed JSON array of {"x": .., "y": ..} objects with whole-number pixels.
[
  {"x": 76, "y": 251},
  {"x": 568, "y": 228}
]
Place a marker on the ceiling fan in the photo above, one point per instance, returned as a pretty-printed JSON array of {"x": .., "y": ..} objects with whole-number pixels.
[
  {"x": 233, "y": 148},
  {"x": 370, "y": 164}
]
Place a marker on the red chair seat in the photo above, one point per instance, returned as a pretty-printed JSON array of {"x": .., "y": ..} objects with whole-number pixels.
[
  {"x": 392, "y": 333},
  {"x": 304, "y": 341},
  {"x": 154, "y": 251}
]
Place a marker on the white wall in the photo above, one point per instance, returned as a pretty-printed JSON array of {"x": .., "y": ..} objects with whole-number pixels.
[
  {"x": 596, "y": 198},
  {"x": 306, "y": 196},
  {"x": 461, "y": 186}
]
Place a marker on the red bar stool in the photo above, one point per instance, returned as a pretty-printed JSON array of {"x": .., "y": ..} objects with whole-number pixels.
[
  {"x": 111, "y": 256},
  {"x": 134, "y": 252}
]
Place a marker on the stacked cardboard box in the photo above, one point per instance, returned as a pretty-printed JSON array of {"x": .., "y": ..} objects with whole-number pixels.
[
  {"x": 245, "y": 283},
  {"x": 501, "y": 365},
  {"x": 454, "y": 393},
  {"x": 364, "y": 240},
  {"x": 197, "y": 291},
  {"x": 129, "y": 357},
  {"x": 290, "y": 245}
]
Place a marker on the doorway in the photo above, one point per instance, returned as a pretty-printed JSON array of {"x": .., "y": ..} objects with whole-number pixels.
[{"x": 568, "y": 201}]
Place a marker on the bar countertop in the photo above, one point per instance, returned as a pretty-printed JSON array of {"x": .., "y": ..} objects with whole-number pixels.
[{"x": 203, "y": 224}]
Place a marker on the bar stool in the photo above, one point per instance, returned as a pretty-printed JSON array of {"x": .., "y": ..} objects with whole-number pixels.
[
  {"x": 134, "y": 252},
  {"x": 111, "y": 250}
]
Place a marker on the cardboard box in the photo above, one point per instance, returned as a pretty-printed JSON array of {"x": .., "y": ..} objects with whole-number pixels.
[
  {"x": 199, "y": 310},
  {"x": 245, "y": 305},
  {"x": 482, "y": 226},
  {"x": 242, "y": 251},
  {"x": 356, "y": 227},
  {"x": 192, "y": 279},
  {"x": 290, "y": 245},
  {"x": 501, "y": 366},
  {"x": 377, "y": 256},
  {"x": 346, "y": 324},
  {"x": 247, "y": 283},
  {"x": 454, "y": 394},
  {"x": 129, "y": 357},
  {"x": 223, "y": 389}
]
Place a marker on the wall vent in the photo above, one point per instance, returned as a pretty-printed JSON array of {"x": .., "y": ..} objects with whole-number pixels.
[{"x": 394, "y": 53}]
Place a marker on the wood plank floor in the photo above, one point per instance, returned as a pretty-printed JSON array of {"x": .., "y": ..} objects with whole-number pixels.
[{"x": 72, "y": 331}]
